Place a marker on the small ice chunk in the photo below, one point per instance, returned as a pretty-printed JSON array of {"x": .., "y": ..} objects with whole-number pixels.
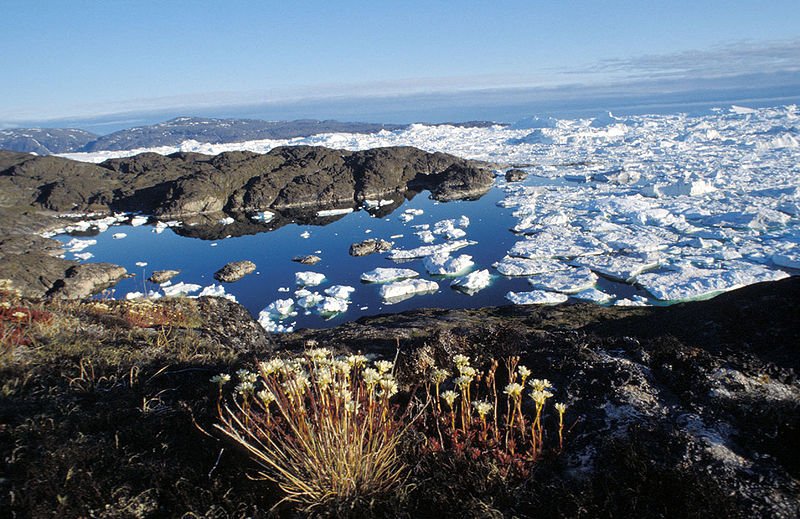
[
  {"x": 334, "y": 212},
  {"x": 509, "y": 266},
  {"x": 429, "y": 250},
  {"x": 137, "y": 221},
  {"x": 567, "y": 281},
  {"x": 385, "y": 275},
  {"x": 83, "y": 256},
  {"x": 280, "y": 307},
  {"x": 309, "y": 279},
  {"x": 305, "y": 234},
  {"x": 215, "y": 290},
  {"x": 409, "y": 214},
  {"x": 536, "y": 297},
  {"x": 332, "y": 305},
  {"x": 636, "y": 300},
  {"x": 180, "y": 289},
  {"x": 402, "y": 290},
  {"x": 141, "y": 263},
  {"x": 284, "y": 289},
  {"x": 425, "y": 236},
  {"x": 340, "y": 291},
  {"x": 619, "y": 268},
  {"x": 307, "y": 299},
  {"x": 226, "y": 221},
  {"x": 442, "y": 264},
  {"x": 77, "y": 245},
  {"x": 119, "y": 235},
  {"x": 594, "y": 295},
  {"x": 263, "y": 216},
  {"x": 472, "y": 282}
]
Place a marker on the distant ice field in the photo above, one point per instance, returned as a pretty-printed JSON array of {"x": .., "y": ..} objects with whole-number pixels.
[{"x": 649, "y": 209}]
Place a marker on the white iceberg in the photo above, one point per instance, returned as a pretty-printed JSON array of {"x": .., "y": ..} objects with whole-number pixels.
[
  {"x": 180, "y": 289},
  {"x": 472, "y": 282},
  {"x": 307, "y": 299},
  {"x": 618, "y": 267},
  {"x": 509, "y": 266},
  {"x": 429, "y": 250},
  {"x": 263, "y": 217},
  {"x": 332, "y": 305},
  {"x": 594, "y": 295},
  {"x": 280, "y": 307},
  {"x": 340, "y": 291},
  {"x": 137, "y": 221},
  {"x": 402, "y": 290},
  {"x": 568, "y": 281},
  {"x": 226, "y": 221},
  {"x": 553, "y": 244},
  {"x": 214, "y": 290},
  {"x": 334, "y": 212},
  {"x": 536, "y": 297},
  {"x": 308, "y": 279},
  {"x": 119, "y": 235},
  {"x": 385, "y": 275},
  {"x": 77, "y": 244},
  {"x": 445, "y": 265}
]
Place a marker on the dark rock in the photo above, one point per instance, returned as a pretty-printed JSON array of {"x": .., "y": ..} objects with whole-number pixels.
[
  {"x": 162, "y": 276},
  {"x": 234, "y": 271},
  {"x": 34, "y": 273},
  {"x": 692, "y": 409},
  {"x": 85, "y": 280},
  {"x": 516, "y": 175},
  {"x": 307, "y": 260},
  {"x": 229, "y": 323},
  {"x": 370, "y": 246}
]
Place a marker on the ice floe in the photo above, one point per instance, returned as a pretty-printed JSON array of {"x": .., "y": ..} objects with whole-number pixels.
[
  {"x": 429, "y": 250},
  {"x": 536, "y": 297},
  {"x": 442, "y": 264},
  {"x": 473, "y": 282},
  {"x": 180, "y": 289},
  {"x": 568, "y": 281},
  {"x": 308, "y": 279},
  {"x": 385, "y": 275},
  {"x": 401, "y": 290}
]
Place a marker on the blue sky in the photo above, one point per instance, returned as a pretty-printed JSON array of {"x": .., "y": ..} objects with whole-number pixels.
[{"x": 88, "y": 58}]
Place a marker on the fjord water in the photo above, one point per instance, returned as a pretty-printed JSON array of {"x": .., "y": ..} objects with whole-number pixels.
[{"x": 272, "y": 251}]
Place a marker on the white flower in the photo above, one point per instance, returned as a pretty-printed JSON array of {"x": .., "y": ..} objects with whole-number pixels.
[
  {"x": 560, "y": 407},
  {"x": 440, "y": 375},
  {"x": 449, "y": 396},
  {"x": 388, "y": 386},
  {"x": 513, "y": 390},
  {"x": 524, "y": 373},
  {"x": 356, "y": 361},
  {"x": 19, "y": 315},
  {"x": 461, "y": 360},
  {"x": 318, "y": 354},
  {"x": 467, "y": 371},
  {"x": 245, "y": 388},
  {"x": 463, "y": 382},
  {"x": 266, "y": 396},
  {"x": 383, "y": 366},
  {"x": 246, "y": 376},
  {"x": 371, "y": 377},
  {"x": 271, "y": 366},
  {"x": 221, "y": 379},
  {"x": 540, "y": 396},
  {"x": 540, "y": 384},
  {"x": 482, "y": 408}
]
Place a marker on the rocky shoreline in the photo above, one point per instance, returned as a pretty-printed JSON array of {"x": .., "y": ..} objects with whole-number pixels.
[{"x": 300, "y": 183}]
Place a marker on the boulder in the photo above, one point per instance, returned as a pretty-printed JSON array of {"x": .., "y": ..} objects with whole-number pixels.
[
  {"x": 309, "y": 259},
  {"x": 87, "y": 279},
  {"x": 370, "y": 246},
  {"x": 516, "y": 175},
  {"x": 162, "y": 276},
  {"x": 234, "y": 271}
]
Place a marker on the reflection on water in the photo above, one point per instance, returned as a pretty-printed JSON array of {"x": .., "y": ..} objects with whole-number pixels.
[{"x": 330, "y": 239}]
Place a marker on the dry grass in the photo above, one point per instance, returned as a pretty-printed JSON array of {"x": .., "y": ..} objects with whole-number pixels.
[{"x": 323, "y": 429}]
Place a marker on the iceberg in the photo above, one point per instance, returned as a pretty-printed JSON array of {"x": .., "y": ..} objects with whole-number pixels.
[
  {"x": 510, "y": 266},
  {"x": 402, "y": 290},
  {"x": 594, "y": 295},
  {"x": 618, "y": 267},
  {"x": 332, "y": 305},
  {"x": 385, "y": 275},
  {"x": 536, "y": 297},
  {"x": 472, "y": 282},
  {"x": 552, "y": 244},
  {"x": 77, "y": 245},
  {"x": 444, "y": 265},
  {"x": 215, "y": 291},
  {"x": 429, "y": 250},
  {"x": 568, "y": 281},
  {"x": 340, "y": 291},
  {"x": 280, "y": 307},
  {"x": 308, "y": 279},
  {"x": 180, "y": 289},
  {"x": 334, "y": 212}
]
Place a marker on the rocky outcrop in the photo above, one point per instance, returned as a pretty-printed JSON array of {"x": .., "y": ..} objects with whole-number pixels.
[
  {"x": 516, "y": 175},
  {"x": 44, "y": 141},
  {"x": 184, "y": 184},
  {"x": 702, "y": 397},
  {"x": 371, "y": 246},
  {"x": 162, "y": 276},
  {"x": 85, "y": 280},
  {"x": 234, "y": 271},
  {"x": 309, "y": 259}
]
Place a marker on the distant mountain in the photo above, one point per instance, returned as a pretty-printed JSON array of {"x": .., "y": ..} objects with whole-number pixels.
[
  {"x": 45, "y": 141},
  {"x": 175, "y": 131}
]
